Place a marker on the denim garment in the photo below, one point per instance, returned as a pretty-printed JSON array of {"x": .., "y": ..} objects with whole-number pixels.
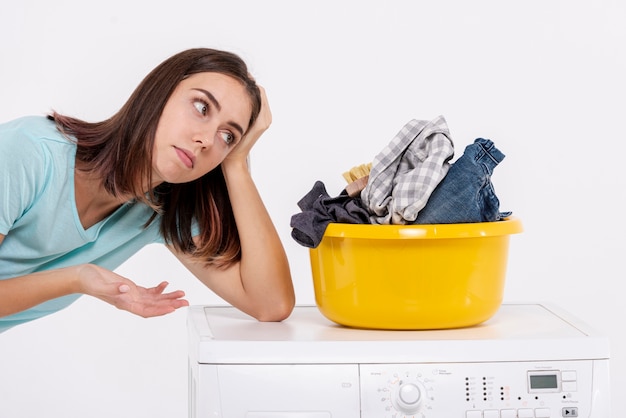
[{"x": 466, "y": 194}]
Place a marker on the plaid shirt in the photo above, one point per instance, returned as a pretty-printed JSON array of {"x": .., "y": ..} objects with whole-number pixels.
[{"x": 406, "y": 172}]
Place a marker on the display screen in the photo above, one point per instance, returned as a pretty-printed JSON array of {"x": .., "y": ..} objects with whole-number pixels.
[{"x": 543, "y": 381}]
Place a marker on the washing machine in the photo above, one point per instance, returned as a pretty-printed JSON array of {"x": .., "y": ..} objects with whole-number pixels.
[{"x": 530, "y": 360}]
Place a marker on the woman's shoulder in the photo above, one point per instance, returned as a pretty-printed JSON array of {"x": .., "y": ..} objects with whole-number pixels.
[
  {"x": 30, "y": 127},
  {"x": 31, "y": 146},
  {"x": 34, "y": 136}
]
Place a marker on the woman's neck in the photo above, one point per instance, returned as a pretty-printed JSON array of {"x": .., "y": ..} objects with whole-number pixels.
[{"x": 93, "y": 202}]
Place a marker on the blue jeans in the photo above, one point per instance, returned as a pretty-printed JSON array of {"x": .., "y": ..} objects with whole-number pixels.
[{"x": 466, "y": 194}]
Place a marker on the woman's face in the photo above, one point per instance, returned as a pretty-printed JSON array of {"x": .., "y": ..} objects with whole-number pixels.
[{"x": 204, "y": 118}]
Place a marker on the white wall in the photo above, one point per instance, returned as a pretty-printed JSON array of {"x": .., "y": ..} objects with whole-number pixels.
[{"x": 543, "y": 79}]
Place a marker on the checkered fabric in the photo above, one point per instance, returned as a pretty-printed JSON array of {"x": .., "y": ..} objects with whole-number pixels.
[{"x": 406, "y": 172}]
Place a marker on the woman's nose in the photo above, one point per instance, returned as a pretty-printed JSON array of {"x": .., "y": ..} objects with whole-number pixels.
[
  {"x": 205, "y": 140},
  {"x": 206, "y": 136}
]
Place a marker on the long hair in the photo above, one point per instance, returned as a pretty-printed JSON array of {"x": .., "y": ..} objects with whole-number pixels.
[{"x": 120, "y": 149}]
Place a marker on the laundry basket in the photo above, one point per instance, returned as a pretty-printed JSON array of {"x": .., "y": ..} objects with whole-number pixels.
[{"x": 412, "y": 276}]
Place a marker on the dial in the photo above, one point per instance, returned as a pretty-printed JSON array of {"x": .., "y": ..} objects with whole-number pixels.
[
  {"x": 407, "y": 397},
  {"x": 400, "y": 392}
]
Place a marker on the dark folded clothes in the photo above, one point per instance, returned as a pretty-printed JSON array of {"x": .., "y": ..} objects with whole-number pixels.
[{"x": 319, "y": 209}]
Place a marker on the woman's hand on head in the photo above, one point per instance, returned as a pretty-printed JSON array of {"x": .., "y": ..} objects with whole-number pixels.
[
  {"x": 241, "y": 151},
  {"x": 126, "y": 295}
]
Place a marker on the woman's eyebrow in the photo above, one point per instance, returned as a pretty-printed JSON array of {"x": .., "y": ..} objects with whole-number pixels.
[
  {"x": 211, "y": 98},
  {"x": 217, "y": 105}
]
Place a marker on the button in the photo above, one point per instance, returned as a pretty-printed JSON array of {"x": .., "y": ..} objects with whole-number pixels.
[
  {"x": 542, "y": 413},
  {"x": 569, "y": 412},
  {"x": 508, "y": 413},
  {"x": 568, "y": 375},
  {"x": 473, "y": 414},
  {"x": 491, "y": 413},
  {"x": 525, "y": 413},
  {"x": 569, "y": 386}
]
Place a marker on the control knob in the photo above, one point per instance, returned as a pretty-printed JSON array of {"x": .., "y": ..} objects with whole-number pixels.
[{"x": 407, "y": 398}]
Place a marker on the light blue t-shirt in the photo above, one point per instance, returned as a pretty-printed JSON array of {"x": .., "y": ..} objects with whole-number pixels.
[{"x": 38, "y": 214}]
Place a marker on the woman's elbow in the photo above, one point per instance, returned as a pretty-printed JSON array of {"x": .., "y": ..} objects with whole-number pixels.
[{"x": 278, "y": 311}]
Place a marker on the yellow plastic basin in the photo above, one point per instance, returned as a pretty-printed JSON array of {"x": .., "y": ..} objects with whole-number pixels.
[{"x": 411, "y": 276}]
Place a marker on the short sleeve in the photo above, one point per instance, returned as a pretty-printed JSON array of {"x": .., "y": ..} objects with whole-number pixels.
[{"x": 23, "y": 166}]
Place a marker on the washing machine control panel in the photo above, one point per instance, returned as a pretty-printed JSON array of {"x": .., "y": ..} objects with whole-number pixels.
[{"x": 477, "y": 390}]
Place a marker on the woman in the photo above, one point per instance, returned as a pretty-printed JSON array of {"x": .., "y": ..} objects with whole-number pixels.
[{"x": 77, "y": 199}]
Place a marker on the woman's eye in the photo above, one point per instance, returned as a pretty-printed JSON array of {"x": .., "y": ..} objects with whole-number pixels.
[
  {"x": 227, "y": 137},
  {"x": 201, "y": 106}
]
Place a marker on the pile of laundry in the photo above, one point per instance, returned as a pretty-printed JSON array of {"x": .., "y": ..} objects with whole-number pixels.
[{"x": 411, "y": 181}]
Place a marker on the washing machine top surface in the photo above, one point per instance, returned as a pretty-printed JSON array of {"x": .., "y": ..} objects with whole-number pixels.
[{"x": 517, "y": 332}]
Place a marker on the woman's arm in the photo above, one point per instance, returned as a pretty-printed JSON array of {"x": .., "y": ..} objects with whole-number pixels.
[
  {"x": 24, "y": 292},
  {"x": 260, "y": 284}
]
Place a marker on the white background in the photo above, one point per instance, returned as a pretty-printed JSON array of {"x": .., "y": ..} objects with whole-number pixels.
[{"x": 543, "y": 79}]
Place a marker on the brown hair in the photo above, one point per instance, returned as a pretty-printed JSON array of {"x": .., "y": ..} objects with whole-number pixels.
[{"x": 120, "y": 150}]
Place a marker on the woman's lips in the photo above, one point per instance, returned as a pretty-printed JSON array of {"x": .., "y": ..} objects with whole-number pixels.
[{"x": 186, "y": 157}]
